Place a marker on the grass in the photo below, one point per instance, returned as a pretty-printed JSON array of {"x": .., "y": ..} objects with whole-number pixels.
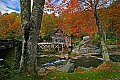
[
  {"x": 89, "y": 75},
  {"x": 106, "y": 71},
  {"x": 46, "y": 52}
]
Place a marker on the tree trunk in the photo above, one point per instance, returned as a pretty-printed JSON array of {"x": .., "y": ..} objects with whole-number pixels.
[
  {"x": 103, "y": 47},
  {"x": 30, "y": 25}
]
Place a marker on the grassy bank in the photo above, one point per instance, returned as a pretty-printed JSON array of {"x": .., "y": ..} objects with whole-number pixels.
[{"x": 105, "y": 71}]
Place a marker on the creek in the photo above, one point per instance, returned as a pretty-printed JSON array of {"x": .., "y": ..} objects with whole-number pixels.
[
  {"x": 56, "y": 61},
  {"x": 83, "y": 61}
]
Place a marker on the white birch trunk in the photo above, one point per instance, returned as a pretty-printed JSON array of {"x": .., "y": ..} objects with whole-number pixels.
[{"x": 103, "y": 47}]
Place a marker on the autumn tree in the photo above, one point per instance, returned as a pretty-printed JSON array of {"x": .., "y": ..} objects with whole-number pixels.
[
  {"x": 69, "y": 19},
  {"x": 48, "y": 26},
  {"x": 110, "y": 20},
  {"x": 55, "y": 11},
  {"x": 56, "y": 8},
  {"x": 9, "y": 26},
  {"x": 114, "y": 20},
  {"x": 30, "y": 24},
  {"x": 95, "y": 5},
  {"x": 75, "y": 21}
]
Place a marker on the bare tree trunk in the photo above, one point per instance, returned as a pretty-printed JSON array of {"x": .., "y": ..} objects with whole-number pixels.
[
  {"x": 30, "y": 24},
  {"x": 103, "y": 48},
  {"x": 25, "y": 26}
]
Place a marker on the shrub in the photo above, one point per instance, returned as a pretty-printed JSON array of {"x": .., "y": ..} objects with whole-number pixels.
[
  {"x": 95, "y": 39},
  {"x": 74, "y": 53},
  {"x": 7, "y": 70},
  {"x": 110, "y": 42}
]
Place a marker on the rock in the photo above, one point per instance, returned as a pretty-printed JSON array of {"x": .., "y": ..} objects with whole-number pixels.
[
  {"x": 50, "y": 68},
  {"x": 86, "y": 55},
  {"x": 69, "y": 67},
  {"x": 77, "y": 69},
  {"x": 76, "y": 57},
  {"x": 45, "y": 70},
  {"x": 41, "y": 71},
  {"x": 86, "y": 38},
  {"x": 87, "y": 48}
]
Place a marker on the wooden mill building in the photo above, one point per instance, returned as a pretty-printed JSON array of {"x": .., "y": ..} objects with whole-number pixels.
[{"x": 60, "y": 40}]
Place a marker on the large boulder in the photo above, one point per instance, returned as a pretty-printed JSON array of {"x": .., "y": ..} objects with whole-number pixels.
[
  {"x": 44, "y": 70},
  {"x": 50, "y": 68},
  {"x": 87, "y": 48},
  {"x": 41, "y": 70},
  {"x": 69, "y": 67}
]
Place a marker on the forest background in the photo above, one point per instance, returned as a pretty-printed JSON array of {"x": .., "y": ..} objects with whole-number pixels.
[
  {"x": 76, "y": 21},
  {"x": 72, "y": 18}
]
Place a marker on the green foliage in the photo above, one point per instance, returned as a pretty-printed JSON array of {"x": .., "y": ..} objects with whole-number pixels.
[
  {"x": 75, "y": 43},
  {"x": 47, "y": 52},
  {"x": 112, "y": 47},
  {"x": 110, "y": 39},
  {"x": 7, "y": 70},
  {"x": 47, "y": 37},
  {"x": 110, "y": 35},
  {"x": 110, "y": 42},
  {"x": 49, "y": 24},
  {"x": 40, "y": 40},
  {"x": 24, "y": 77},
  {"x": 95, "y": 39},
  {"x": 74, "y": 53}
]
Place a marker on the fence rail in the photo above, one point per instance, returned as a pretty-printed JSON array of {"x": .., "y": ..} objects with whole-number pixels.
[{"x": 49, "y": 46}]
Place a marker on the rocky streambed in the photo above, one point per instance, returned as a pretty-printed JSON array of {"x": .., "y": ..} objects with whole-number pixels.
[
  {"x": 88, "y": 56},
  {"x": 54, "y": 62}
]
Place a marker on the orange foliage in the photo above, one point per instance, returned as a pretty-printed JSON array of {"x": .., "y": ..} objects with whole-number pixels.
[
  {"x": 114, "y": 16},
  {"x": 9, "y": 26},
  {"x": 75, "y": 21},
  {"x": 78, "y": 22},
  {"x": 110, "y": 19},
  {"x": 72, "y": 18},
  {"x": 105, "y": 66}
]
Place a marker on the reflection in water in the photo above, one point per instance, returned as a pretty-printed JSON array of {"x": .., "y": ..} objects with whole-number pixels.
[
  {"x": 88, "y": 62},
  {"x": 115, "y": 58}
]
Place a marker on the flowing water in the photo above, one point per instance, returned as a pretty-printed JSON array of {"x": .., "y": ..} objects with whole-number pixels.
[
  {"x": 50, "y": 61},
  {"x": 85, "y": 62}
]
